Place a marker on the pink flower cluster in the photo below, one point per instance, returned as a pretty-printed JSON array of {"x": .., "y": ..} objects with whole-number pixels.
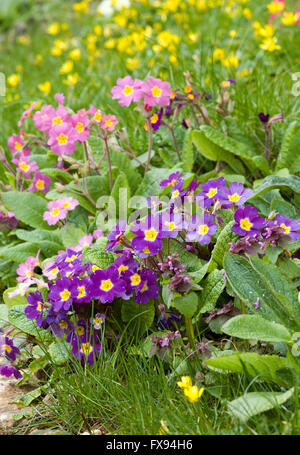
[
  {"x": 63, "y": 130},
  {"x": 59, "y": 209},
  {"x": 154, "y": 91}
]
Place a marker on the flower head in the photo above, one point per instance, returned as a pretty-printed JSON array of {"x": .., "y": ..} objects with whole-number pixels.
[{"x": 248, "y": 223}]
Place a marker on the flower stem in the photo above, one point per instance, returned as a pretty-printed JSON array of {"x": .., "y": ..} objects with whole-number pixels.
[
  {"x": 190, "y": 332},
  {"x": 149, "y": 144},
  {"x": 109, "y": 162}
]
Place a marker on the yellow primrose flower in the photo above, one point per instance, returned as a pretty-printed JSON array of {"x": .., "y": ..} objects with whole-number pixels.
[
  {"x": 67, "y": 67},
  {"x": 53, "y": 29},
  {"x": 13, "y": 80},
  {"x": 185, "y": 382},
  {"x": 72, "y": 79},
  {"x": 24, "y": 40},
  {"x": 270, "y": 44},
  {"x": 219, "y": 54},
  {"x": 38, "y": 59},
  {"x": 81, "y": 7},
  {"x": 45, "y": 87},
  {"x": 132, "y": 64},
  {"x": 245, "y": 72},
  {"x": 275, "y": 7},
  {"x": 98, "y": 30},
  {"x": 75, "y": 54},
  {"x": 232, "y": 33},
  {"x": 247, "y": 13},
  {"x": 173, "y": 60},
  {"x": 193, "y": 393},
  {"x": 266, "y": 32},
  {"x": 289, "y": 18},
  {"x": 231, "y": 62}
]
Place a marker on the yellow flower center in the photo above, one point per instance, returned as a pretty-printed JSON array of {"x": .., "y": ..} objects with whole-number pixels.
[
  {"x": 144, "y": 288},
  {"x": 156, "y": 91},
  {"x": 79, "y": 330},
  {"x": 63, "y": 325},
  {"x": 56, "y": 121},
  {"x": 203, "y": 229},
  {"x": 108, "y": 123},
  {"x": 25, "y": 167},
  {"x": 154, "y": 118},
  {"x": 171, "y": 225},
  {"x": 54, "y": 271},
  {"x": 40, "y": 184},
  {"x": 127, "y": 90},
  {"x": 65, "y": 294},
  {"x": 55, "y": 211},
  {"x": 135, "y": 279},
  {"x": 106, "y": 285},
  {"x": 81, "y": 291},
  {"x": 62, "y": 139},
  {"x": 7, "y": 348},
  {"x": 234, "y": 197},
  {"x": 286, "y": 228},
  {"x": 79, "y": 127},
  {"x": 122, "y": 268},
  {"x": 39, "y": 306},
  {"x": 246, "y": 224},
  {"x": 98, "y": 116},
  {"x": 18, "y": 145},
  {"x": 146, "y": 250},
  {"x": 175, "y": 193},
  {"x": 95, "y": 267},
  {"x": 212, "y": 192},
  {"x": 151, "y": 235},
  {"x": 71, "y": 259},
  {"x": 98, "y": 321},
  {"x": 86, "y": 348}
]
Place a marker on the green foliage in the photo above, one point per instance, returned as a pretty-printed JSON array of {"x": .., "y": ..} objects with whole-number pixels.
[
  {"x": 255, "y": 327},
  {"x": 213, "y": 286},
  {"x": 140, "y": 317},
  {"x": 18, "y": 319},
  {"x": 253, "y": 403},
  {"x": 11, "y": 301},
  {"x": 28, "y": 207},
  {"x": 250, "y": 283},
  {"x": 187, "y": 304}
]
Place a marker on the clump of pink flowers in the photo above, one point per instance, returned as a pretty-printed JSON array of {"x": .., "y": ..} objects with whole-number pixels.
[
  {"x": 153, "y": 90},
  {"x": 59, "y": 209}
]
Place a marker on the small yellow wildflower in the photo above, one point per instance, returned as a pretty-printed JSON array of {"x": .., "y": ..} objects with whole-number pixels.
[
  {"x": 45, "y": 87},
  {"x": 232, "y": 33},
  {"x": 72, "y": 79},
  {"x": 275, "y": 7},
  {"x": 193, "y": 393},
  {"x": 13, "y": 80},
  {"x": 75, "y": 54},
  {"x": 231, "y": 62},
  {"x": 53, "y": 29},
  {"x": 24, "y": 40},
  {"x": 98, "y": 30},
  {"x": 173, "y": 60},
  {"x": 185, "y": 382},
  {"x": 270, "y": 44},
  {"x": 289, "y": 18},
  {"x": 132, "y": 64},
  {"x": 81, "y": 7},
  {"x": 67, "y": 67},
  {"x": 247, "y": 13},
  {"x": 219, "y": 54}
]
